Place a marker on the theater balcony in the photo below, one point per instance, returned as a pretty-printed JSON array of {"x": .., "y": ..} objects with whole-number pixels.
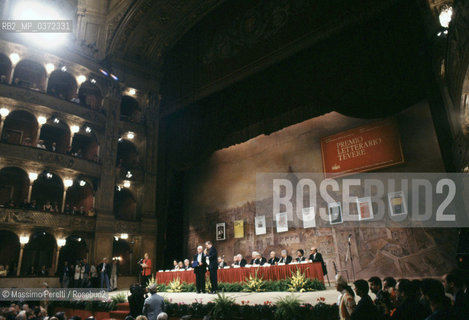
[
  {"x": 13, "y": 95},
  {"x": 44, "y": 158}
]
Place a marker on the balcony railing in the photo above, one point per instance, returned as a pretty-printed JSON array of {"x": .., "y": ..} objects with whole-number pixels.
[
  {"x": 39, "y": 98},
  {"x": 50, "y": 159},
  {"x": 33, "y": 218}
]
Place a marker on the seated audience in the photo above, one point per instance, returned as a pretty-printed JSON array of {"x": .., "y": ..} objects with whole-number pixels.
[
  {"x": 434, "y": 292},
  {"x": 273, "y": 260},
  {"x": 365, "y": 309},
  {"x": 408, "y": 305},
  {"x": 346, "y": 300},
  {"x": 389, "y": 284},
  {"x": 285, "y": 258},
  {"x": 383, "y": 298},
  {"x": 454, "y": 285}
]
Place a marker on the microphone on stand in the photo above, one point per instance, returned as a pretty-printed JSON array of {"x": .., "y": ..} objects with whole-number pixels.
[
  {"x": 140, "y": 261},
  {"x": 349, "y": 238}
]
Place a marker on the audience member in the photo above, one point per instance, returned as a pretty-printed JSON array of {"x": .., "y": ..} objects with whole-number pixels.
[
  {"x": 434, "y": 292},
  {"x": 454, "y": 285},
  {"x": 365, "y": 309},
  {"x": 153, "y": 305},
  {"x": 346, "y": 300},
  {"x": 383, "y": 298}
]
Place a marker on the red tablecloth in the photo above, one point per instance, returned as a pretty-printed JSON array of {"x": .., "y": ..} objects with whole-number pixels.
[{"x": 311, "y": 270}]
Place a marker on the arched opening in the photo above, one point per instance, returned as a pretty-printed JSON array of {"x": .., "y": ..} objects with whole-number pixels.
[
  {"x": 30, "y": 74},
  {"x": 20, "y": 127},
  {"x": 85, "y": 146},
  {"x": 90, "y": 96},
  {"x": 130, "y": 110},
  {"x": 5, "y": 68},
  {"x": 14, "y": 185},
  {"x": 38, "y": 253},
  {"x": 9, "y": 251},
  {"x": 62, "y": 85},
  {"x": 125, "y": 205},
  {"x": 121, "y": 254},
  {"x": 80, "y": 196},
  {"x": 127, "y": 155},
  {"x": 56, "y": 136},
  {"x": 74, "y": 250},
  {"x": 47, "y": 191}
]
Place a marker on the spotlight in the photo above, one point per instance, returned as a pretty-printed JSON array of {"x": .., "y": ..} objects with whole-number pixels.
[
  {"x": 4, "y": 112},
  {"x": 116, "y": 239},
  {"x": 128, "y": 175},
  {"x": 49, "y": 175},
  {"x": 32, "y": 176},
  {"x": 82, "y": 183},
  {"x": 104, "y": 72},
  {"x": 124, "y": 236},
  {"x": 132, "y": 91},
  {"x": 93, "y": 81},
  {"x": 130, "y": 135},
  {"x": 114, "y": 77},
  {"x": 88, "y": 129},
  {"x": 126, "y": 184},
  {"x": 63, "y": 69},
  {"x": 56, "y": 121},
  {"x": 79, "y": 239},
  {"x": 68, "y": 183},
  {"x": 61, "y": 242},
  {"x": 50, "y": 67},
  {"x": 41, "y": 120},
  {"x": 14, "y": 57},
  {"x": 120, "y": 139},
  {"x": 80, "y": 79},
  {"x": 119, "y": 188},
  {"x": 74, "y": 129},
  {"x": 24, "y": 239},
  {"x": 445, "y": 16}
]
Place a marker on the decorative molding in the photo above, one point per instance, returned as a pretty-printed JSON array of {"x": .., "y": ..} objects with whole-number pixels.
[{"x": 45, "y": 219}]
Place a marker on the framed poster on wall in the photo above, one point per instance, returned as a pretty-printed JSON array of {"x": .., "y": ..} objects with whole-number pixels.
[
  {"x": 221, "y": 231},
  {"x": 397, "y": 203},
  {"x": 365, "y": 208},
  {"x": 335, "y": 212},
  {"x": 282, "y": 222},
  {"x": 309, "y": 217},
  {"x": 239, "y": 229},
  {"x": 260, "y": 225}
]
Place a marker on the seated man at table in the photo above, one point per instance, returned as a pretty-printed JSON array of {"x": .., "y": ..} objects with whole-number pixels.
[
  {"x": 300, "y": 255},
  {"x": 285, "y": 258},
  {"x": 239, "y": 261},
  {"x": 187, "y": 265},
  {"x": 273, "y": 259},
  {"x": 221, "y": 263},
  {"x": 257, "y": 259}
]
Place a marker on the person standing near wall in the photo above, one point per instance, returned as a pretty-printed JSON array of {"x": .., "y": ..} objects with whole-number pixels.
[
  {"x": 114, "y": 273},
  {"x": 146, "y": 269}
]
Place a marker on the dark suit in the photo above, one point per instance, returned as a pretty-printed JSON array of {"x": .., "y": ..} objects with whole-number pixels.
[
  {"x": 318, "y": 258},
  {"x": 365, "y": 310},
  {"x": 153, "y": 306},
  {"x": 286, "y": 260},
  {"x": 241, "y": 263},
  {"x": 222, "y": 265},
  {"x": 259, "y": 262},
  {"x": 199, "y": 271},
  {"x": 300, "y": 259},
  {"x": 273, "y": 261},
  {"x": 213, "y": 267}
]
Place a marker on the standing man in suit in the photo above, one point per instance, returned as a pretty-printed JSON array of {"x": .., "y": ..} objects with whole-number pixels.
[
  {"x": 317, "y": 257},
  {"x": 153, "y": 305},
  {"x": 212, "y": 257},
  {"x": 104, "y": 269},
  {"x": 199, "y": 269}
]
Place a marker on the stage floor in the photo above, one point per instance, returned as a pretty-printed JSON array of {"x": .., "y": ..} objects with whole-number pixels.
[{"x": 330, "y": 295}]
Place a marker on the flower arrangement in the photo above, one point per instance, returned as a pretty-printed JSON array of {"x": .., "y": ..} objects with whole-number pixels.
[
  {"x": 254, "y": 283},
  {"x": 175, "y": 285}
]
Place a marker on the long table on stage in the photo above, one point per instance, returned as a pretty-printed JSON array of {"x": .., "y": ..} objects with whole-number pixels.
[{"x": 311, "y": 270}]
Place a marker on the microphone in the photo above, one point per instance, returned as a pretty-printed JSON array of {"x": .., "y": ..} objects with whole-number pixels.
[{"x": 140, "y": 261}]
